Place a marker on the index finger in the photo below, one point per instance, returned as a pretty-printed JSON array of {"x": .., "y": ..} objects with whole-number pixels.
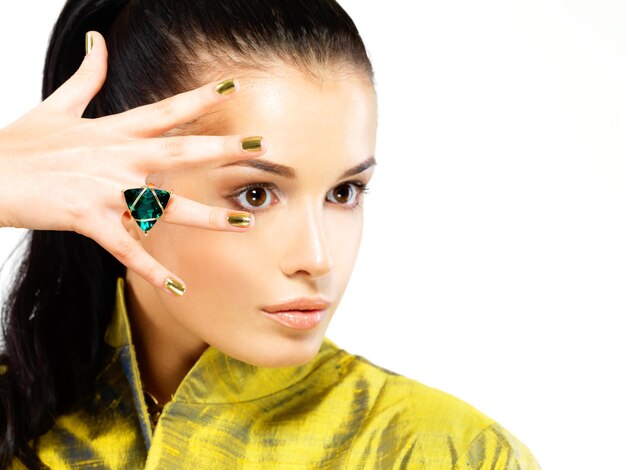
[{"x": 154, "y": 119}]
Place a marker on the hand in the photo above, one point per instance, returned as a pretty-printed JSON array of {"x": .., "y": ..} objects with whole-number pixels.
[{"x": 62, "y": 172}]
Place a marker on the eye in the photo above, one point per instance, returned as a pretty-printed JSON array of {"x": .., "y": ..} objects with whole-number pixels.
[
  {"x": 346, "y": 193},
  {"x": 254, "y": 197}
]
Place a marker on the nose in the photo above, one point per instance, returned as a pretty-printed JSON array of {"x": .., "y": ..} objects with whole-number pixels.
[{"x": 306, "y": 250}]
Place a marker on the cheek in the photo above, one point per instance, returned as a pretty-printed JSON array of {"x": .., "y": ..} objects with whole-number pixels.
[
  {"x": 225, "y": 284},
  {"x": 344, "y": 237},
  {"x": 220, "y": 265},
  {"x": 219, "y": 268}
]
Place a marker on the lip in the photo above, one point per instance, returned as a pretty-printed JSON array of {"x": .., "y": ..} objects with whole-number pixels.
[
  {"x": 299, "y": 305},
  {"x": 302, "y": 313},
  {"x": 298, "y": 319}
]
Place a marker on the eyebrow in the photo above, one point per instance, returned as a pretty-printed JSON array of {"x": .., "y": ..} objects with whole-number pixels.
[{"x": 289, "y": 173}]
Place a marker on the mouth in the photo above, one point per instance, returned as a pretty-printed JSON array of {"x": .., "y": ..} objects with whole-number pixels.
[{"x": 299, "y": 314}]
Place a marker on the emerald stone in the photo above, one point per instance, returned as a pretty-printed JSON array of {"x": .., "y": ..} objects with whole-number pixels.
[{"x": 146, "y": 205}]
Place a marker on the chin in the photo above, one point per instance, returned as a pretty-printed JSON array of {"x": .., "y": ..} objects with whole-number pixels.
[{"x": 296, "y": 354}]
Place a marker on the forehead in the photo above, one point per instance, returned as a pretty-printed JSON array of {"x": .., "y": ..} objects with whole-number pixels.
[
  {"x": 288, "y": 90},
  {"x": 296, "y": 112}
]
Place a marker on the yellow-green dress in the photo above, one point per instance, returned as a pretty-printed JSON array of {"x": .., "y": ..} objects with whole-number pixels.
[{"x": 339, "y": 411}]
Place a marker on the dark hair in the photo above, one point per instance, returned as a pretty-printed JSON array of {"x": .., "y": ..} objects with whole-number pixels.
[{"x": 62, "y": 295}]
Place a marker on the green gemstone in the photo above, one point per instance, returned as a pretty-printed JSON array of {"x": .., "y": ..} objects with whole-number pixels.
[{"x": 145, "y": 209}]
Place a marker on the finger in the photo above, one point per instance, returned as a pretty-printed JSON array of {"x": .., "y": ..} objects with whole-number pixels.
[
  {"x": 154, "y": 119},
  {"x": 167, "y": 153},
  {"x": 131, "y": 253},
  {"x": 75, "y": 94},
  {"x": 183, "y": 211}
]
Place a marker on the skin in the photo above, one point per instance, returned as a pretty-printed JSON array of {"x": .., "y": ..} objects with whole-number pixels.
[{"x": 304, "y": 241}]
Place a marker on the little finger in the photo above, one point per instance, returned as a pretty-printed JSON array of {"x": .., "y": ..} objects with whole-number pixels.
[{"x": 131, "y": 254}]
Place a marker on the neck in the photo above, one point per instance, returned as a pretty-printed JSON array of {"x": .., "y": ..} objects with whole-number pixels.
[{"x": 162, "y": 345}]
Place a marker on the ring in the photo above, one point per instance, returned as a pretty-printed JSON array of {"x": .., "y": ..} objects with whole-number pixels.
[{"x": 146, "y": 205}]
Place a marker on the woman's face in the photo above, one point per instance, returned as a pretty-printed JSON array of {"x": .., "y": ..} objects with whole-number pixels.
[{"x": 307, "y": 223}]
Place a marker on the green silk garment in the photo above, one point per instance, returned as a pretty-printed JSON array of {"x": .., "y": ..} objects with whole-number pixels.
[{"x": 339, "y": 411}]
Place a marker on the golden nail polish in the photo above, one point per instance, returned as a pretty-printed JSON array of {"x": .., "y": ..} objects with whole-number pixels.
[
  {"x": 252, "y": 144},
  {"x": 226, "y": 87},
  {"x": 239, "y": 219},
  {"x": 88, "y": 43},
  {"x": 174, "y": 286}
]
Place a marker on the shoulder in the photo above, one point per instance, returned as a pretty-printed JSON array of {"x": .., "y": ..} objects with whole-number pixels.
[{"x": 427, "y": 427}]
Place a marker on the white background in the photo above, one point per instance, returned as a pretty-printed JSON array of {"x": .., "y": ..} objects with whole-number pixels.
[{"x": 493, "y": 261}]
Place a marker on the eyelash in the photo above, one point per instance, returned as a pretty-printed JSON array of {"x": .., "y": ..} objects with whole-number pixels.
[{"x": 361, "y": 189}]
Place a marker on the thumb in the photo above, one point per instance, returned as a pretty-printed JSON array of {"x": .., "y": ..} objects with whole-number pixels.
[{"x": 76, "y": 93}]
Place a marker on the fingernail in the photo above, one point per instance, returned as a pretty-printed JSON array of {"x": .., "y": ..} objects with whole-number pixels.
[
  {"x": 88, "y": 43},
  {"x": 239, "y": 219},
  {"x": 252, "y": 144},
  {"x": 226, "y": 87},
  {"x": 175, "y": 287}
]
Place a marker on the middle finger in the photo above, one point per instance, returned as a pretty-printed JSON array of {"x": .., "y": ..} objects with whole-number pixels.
[{"x": 167, "y": 153}]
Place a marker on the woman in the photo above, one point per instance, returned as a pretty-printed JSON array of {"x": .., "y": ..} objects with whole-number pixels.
[{"x": 111, "y": 360}]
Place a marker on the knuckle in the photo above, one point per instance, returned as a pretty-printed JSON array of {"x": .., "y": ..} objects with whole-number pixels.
[
  {"x": 124, "y": 250},
  {"x": 84, "y": 72},
  {"x": 77, "y": 213},
  {"x": 172, "y": 208},
  {"x": 175, "y": 146},
  {"x": 205, "y": 97},
  {"x": 164, "y": 107},
  {"x": 214, "y": 218},
  {"x": 153, "y": 273}
]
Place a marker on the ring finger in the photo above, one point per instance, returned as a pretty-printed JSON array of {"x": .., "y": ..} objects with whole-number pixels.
[{"x": 184, "y": 211}]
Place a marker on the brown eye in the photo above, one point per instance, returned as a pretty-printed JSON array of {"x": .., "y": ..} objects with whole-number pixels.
[
  {"x": 343, "y": 194},
  {"x": 254, "y": 197}
]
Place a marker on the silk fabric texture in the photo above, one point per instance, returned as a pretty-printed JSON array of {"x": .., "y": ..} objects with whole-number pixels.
[{"x": 339, "y": 411}]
